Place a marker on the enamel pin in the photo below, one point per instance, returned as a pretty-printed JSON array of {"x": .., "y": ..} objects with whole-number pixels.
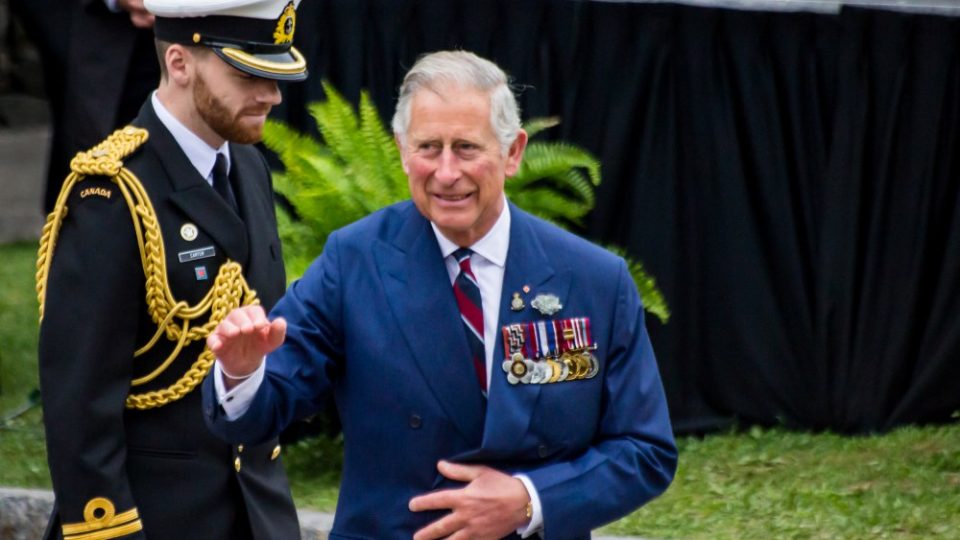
[
  {"x": 547, "y": 304},
  {"x": 188, "y": 231},
  {"x": 517, "y": 303}
]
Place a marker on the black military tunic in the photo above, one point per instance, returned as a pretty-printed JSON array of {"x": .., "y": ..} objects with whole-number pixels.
[{"x": 112, "y": 465}]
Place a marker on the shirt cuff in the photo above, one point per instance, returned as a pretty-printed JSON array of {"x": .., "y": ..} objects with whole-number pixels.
[
  {"x": 237, "y": 400},
  {"x": 536, "y": 521}
]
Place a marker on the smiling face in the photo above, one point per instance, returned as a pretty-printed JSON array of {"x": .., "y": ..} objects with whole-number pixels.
[{"x": 454, "y": 164}]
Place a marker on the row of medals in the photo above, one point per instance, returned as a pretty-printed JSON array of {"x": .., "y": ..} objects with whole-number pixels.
[{"x": 572, "y": 365}]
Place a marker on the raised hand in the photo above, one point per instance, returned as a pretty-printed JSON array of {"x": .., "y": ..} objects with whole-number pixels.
[
  {"x": 243, "y": 338},
  {"x": 491, "y": 505}
]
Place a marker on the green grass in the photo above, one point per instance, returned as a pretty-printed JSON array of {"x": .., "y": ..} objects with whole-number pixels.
[
  {"x": 22, "y": 453},
  {"x": 777, "y": 484},
  {"x": 18, "y": 325},
  {"x": 758, "y": 484}
]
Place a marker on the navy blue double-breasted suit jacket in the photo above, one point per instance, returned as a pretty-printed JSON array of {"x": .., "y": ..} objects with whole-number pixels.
[{"x": 375, "y": 322}]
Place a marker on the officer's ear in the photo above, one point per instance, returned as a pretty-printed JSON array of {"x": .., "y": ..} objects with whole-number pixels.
[{"x": 179, "y": 64}]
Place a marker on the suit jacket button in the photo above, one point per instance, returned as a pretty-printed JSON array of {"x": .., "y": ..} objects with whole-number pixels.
[
  {"x": 415, "y": 421},
  {"x": 236, "y": 464},
  {"x": 543, "y": 451}
]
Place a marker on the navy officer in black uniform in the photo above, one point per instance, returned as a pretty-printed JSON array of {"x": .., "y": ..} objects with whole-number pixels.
[{"x": 157, "y": 233}]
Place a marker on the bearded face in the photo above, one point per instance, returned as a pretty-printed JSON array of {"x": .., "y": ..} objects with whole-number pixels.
[{"x": 231, "y": 103}]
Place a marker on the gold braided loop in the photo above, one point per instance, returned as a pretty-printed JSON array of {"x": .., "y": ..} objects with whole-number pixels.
[{"x": 176, "y": 320}]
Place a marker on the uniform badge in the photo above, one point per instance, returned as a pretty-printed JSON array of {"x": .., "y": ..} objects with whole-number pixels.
[
  {"x": 285, "y": 25},
  {"x": 188, "y": 231},
  {"x": 196, "y": 254},
  {"x": 201, "y": 272},
  {"x": 549, "y": 351},
  {"x": 517, "y": 303},
  {"x": 547, "y": 304}
]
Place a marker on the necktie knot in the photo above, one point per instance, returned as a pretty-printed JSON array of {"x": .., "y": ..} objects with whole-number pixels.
[
  {"x": 462, "y": 253},
  {"x": 462, "y": 256}
]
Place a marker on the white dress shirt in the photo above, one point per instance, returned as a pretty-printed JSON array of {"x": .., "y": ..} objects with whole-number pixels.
[
  {"x": 200, "y": 154},
  {"x": 488, "y": 264}
]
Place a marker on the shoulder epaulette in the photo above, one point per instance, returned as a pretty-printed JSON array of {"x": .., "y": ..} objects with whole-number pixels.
[
  {"x": 106, "y": 158},
  {"x": 179, "y": 322}
]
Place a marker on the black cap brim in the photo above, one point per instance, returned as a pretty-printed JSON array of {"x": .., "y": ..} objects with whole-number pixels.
[{"x": 285, "y": 66}]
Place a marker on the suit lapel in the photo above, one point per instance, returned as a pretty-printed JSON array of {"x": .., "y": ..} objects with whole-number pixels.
[
  {"x": 528, "y": 264},
  {"x": 421, "y": 299},
  {"x": 191, "y": 192}
]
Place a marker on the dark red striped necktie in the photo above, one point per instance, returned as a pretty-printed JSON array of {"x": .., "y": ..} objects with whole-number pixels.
[{"x": 467, "y": 291}]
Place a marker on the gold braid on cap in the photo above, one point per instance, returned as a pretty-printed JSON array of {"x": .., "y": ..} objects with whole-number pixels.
[{"x": 173, "y": 318}]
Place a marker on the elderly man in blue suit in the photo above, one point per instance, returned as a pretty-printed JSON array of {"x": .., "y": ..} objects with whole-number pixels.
[{"x": 492, "y": 372}]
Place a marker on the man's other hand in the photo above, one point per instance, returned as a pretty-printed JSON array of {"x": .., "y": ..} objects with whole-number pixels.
[
  {"x": 243, "y": 338},
  {"x": 491, "y": 505}
]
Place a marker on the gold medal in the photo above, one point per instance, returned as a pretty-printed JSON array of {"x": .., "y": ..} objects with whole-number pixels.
[
  {"x": 557, "y": 371},
  {"x": 594, "y": 365}
]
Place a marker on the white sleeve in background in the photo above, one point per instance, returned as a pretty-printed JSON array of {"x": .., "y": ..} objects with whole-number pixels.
[
  {"x": 536, "y": 521},
  {"x": 237, "y": 400}
]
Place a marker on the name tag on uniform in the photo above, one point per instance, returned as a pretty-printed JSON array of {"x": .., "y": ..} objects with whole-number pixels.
[{"x": 196, "y": 254}]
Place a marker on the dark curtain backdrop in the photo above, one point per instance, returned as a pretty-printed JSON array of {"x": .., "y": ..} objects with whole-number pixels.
[{"x": 791, "y": 179}]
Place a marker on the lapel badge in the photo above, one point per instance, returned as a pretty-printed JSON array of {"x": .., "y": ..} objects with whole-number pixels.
[
  {"x": 517, "y": 303},
  {"x": 201, "y": 272},
  {"x": 547, "y": 304},
  {"x": 526, "y": 289},
  {"x": 188, "y": 231}
]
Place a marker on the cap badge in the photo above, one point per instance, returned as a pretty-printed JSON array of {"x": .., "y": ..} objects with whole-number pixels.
[{"x": 285, "y": 25}]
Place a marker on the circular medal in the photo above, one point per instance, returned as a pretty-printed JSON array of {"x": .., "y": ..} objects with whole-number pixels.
[
  {"x": 188, "y": 231},
  {"x": 557, "y": 370},
  {"x": 518, "y": 369},
  {"x": 537, "y": 373},
  {"x": 594, "y": 366}
]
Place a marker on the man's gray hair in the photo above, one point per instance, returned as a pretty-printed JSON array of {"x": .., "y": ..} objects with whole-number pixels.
[{"x": 465, "y": 70}]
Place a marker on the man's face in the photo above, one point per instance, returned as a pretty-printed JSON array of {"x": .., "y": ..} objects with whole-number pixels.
[
  {"x": 233, "y": 103},
  {"x": 453, "y": 161}
]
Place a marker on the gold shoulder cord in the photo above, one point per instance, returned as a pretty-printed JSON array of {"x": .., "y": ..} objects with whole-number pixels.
[{"x": 172, "y": 317}]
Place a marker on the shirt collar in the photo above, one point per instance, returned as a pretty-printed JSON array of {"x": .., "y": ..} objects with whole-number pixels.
[
  {"x": 201, "y": 155},
  {"x": 492, "y": 247}
]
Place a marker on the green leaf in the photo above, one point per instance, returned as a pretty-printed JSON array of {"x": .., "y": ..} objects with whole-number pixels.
[{"x": 535, "y": 125}]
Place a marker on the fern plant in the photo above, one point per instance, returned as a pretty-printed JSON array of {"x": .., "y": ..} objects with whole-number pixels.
[{"x": 356, "y": 170}]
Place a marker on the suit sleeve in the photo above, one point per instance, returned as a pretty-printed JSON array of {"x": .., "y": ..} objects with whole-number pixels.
[
  {"x": 299, "y": 374},
  {"x": 633, "y": 456},
  {"x": 87, "y": 340}
]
